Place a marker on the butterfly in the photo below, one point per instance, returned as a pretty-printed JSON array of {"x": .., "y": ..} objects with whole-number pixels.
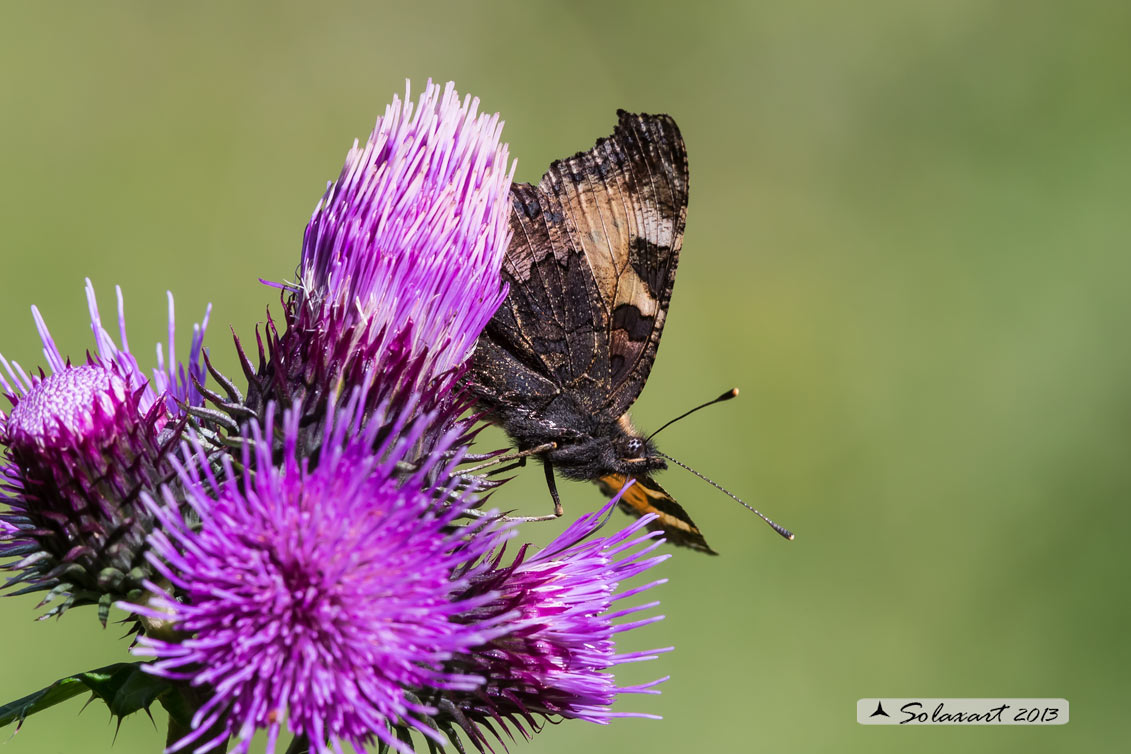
[{"x": 591, "y": 265}]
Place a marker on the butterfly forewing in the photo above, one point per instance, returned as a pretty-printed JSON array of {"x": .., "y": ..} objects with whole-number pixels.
[{"x": 646, "y": 496}]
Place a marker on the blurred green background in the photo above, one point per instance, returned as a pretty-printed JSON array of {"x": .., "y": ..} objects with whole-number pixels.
[{"x": 908, "y": 243}]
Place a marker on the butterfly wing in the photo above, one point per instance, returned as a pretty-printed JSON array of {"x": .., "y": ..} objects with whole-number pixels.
[
  {"x": 647, "y": 496},
  {"x": 625, "y": 207},
  {"x": 550, "y": 331},
  {"x": 590, "y": 266}
]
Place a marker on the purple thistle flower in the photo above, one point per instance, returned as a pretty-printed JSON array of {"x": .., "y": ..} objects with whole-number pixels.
[
  {"x": 313, "y": 596},
  {"x": 413, "y": 233},
  {"x": 170, "y": 379},
  {"x": 400, "y": 261},
  {"x": 80, "y": 444},
  {"x": 554, "y": 658}
]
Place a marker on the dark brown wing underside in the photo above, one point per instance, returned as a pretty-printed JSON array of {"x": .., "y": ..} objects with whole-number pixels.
[{"x": 592, "y": 263}]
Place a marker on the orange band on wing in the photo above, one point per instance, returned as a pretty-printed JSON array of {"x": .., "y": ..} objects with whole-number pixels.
[{"x": 647, "y": 496}]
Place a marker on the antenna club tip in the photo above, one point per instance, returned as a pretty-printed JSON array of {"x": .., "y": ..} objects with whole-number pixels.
[
  {"x": 732, "y": 393},
  {"x": 786, "y": 533}
]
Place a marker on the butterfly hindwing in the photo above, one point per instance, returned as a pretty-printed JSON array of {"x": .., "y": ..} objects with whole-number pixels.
[{"x": 552, "y": 320}]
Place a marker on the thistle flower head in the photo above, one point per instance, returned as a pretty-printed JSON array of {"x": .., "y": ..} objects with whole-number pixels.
[
  {"x": 400, "y": 261},
  {"x": 412, "y": 235},
  {"x": 555, "y": 657},
  {"x": 80, "y": 445},
  {"x": 170, "y": 381},
  {"x": 312, "y": 596}
]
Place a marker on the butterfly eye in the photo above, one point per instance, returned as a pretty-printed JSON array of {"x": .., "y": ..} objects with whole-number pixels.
[{"x": 634, "y": 446}]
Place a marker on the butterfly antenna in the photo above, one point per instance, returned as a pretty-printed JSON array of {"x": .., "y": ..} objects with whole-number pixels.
[
  {"x": 732, "y": 393},
  {"x": 776, "y": 527}
]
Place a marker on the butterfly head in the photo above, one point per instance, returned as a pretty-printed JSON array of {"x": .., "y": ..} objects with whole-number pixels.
[
  {"x": 632, "y": 452},
  {"x": 636, "y": 455}
]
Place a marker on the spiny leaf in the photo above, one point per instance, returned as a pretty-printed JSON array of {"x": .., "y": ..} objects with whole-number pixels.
[{"x": 123, "y": 686}]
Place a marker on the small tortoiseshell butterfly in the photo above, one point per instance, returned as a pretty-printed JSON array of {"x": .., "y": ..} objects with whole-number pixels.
[{"x": 591, "y": 266}]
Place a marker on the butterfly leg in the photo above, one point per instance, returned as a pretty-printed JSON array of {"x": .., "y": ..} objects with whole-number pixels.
[
  {"x": 473, "y": 513},
  {"x": 552, "y": 484},
  {"x": 493, "y": 459},
  {"x": 519, "y": 464},
  {"x": 558, "y": 510}
]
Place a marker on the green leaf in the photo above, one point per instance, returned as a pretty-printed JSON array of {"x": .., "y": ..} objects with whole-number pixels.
[{"x": 123, "y": 686}]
